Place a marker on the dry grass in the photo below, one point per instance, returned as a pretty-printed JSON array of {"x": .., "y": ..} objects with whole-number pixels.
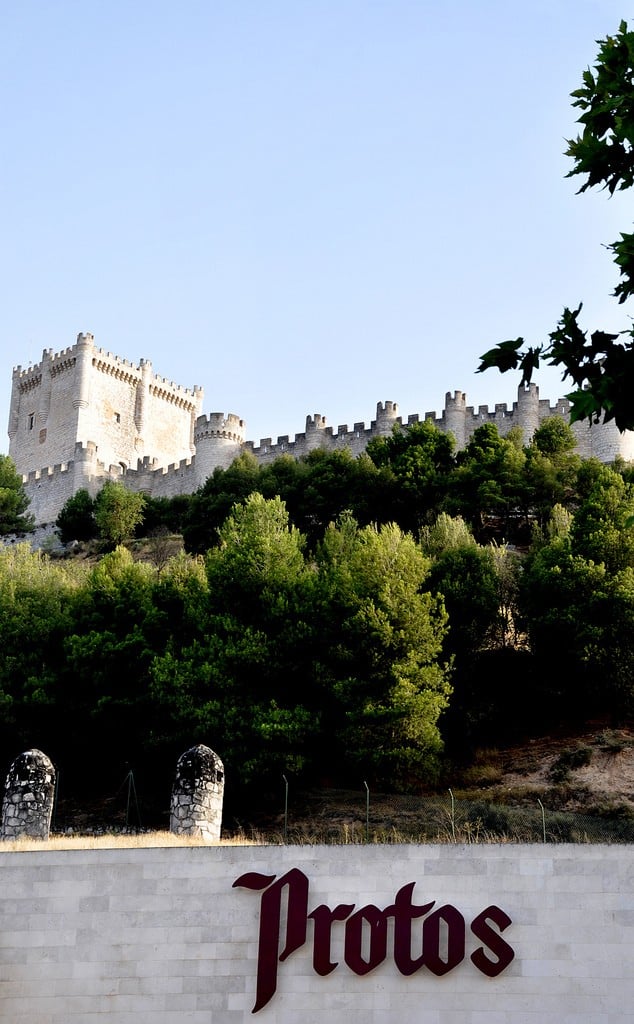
[
  {"x": 118, "y": 841},
  {"x": 345, "y": 835}
]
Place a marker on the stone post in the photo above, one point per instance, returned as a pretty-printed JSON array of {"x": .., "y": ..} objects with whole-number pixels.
[
  {"x": 197, "y": 794},
  {"x": 27, "y": 807}
]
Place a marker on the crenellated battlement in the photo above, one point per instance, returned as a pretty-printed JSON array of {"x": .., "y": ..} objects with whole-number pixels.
[
  {"x": 217, "y": 424},
  {"x": 84, "y": 415}
]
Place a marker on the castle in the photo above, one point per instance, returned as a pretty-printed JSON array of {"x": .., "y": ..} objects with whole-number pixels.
[{"x": 83, "y": 416}]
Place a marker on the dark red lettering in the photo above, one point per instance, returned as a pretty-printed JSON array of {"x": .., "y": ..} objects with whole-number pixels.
[
  {"x": 376, "y": 921},
  {"x": 270, "y": 913},
  {"x": 443, "y": 933},
  {"x": 497, "y": 945},
  {"x": 454, "y": 943},
  {"x": 404, "y": 912},
  {"x": 323, "y": 917}
]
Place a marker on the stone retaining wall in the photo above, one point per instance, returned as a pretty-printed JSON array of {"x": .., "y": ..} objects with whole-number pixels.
[{"x": 166, "y": 936}]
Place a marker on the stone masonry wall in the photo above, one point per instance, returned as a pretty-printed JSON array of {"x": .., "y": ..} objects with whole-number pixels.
[
  {"x": 84, "y": 416},
  {"x": 165, "y": 935},
  {"x": 121, "y": 416}
]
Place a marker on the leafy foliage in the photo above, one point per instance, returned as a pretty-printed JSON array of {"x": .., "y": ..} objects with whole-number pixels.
[
  {"x": 419, "y": 459},
  {"x": 600, "y": 365},
  {"x": 76, "y": 520},
  {"x": 349, "y": 650},
  {"x": 13, "y": 500},
  {"x": 488, "y": 486},
  {"x": 117, "y": 512},
  {"x": 380, "y": 656}
]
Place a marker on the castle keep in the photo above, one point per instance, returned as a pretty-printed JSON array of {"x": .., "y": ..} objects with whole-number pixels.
[{"x": 83, "y": 416}]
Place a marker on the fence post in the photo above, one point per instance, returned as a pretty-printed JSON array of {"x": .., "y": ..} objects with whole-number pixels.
[
  {"x": 367, "y": 812},
  {"x": 453, "y": 817},
  {"x": 285, "y": 808},
  {"x": 543, "y": 818},
  {"x": 131, "y": 790}
]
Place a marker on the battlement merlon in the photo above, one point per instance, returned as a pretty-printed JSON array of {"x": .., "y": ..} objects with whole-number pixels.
[
  {"x": 133, "y": 413},
  {"x": 220, "y": 425},
  {"x": 85, "y": 343}
]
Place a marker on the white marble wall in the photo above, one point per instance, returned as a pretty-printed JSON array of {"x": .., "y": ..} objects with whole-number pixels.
[{"x": 161, "y": 936}]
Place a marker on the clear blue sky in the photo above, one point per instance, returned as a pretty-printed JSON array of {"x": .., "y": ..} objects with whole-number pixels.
[{"x": 301, "y": 205}]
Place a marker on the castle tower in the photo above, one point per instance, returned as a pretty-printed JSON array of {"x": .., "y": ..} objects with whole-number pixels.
[
  {"x": 528, "y": 410},
  {"x": 83, "y": 374},
  {"x": 315, "y": 432},
  {"x": 44, "y": 404},
  {"x": 196, "y": 411},
  {"x": 14, "y": 408},
  {"x": 386, "y": 417},
  {"x": 218, "y": 440},
  {"x": 142, "y": 402},
  {"x": 455, "y": 417},
  {"x": 85, "y": 474}
]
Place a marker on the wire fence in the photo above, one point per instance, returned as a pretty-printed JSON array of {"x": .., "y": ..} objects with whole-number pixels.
[
  {"x": 363, "y": 816},
  {"x": 366, "y": 817}
]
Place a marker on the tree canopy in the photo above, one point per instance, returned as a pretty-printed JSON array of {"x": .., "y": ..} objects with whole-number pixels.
[
  {"x": 497, "y": 578},
  {"x": 599, "y": 364},
  {"x": 14, "y": 503},
  {"x": 117, "y": 512}
]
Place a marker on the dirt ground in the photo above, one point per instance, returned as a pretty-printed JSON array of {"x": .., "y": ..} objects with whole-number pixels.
[
  {"x": 607, "y": 777},
  {"x": 583, "y": 772}
]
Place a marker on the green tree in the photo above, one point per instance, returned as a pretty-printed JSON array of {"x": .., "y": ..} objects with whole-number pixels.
[
  {"x": 552, "y": 468},
  {"x": 379, "y": 663},
  {"x": 213, "y": 502},
  {"x": 446, "y": 534},
  {"x": 36, "y": 600},
  {"x": 166, "y": 514},
  {"x": 613, "y": 653},
  {"x": 323, "y": 485},
  {"x": 117, "y": 629},
  {"x": 467, "y": 579},
  {"x": 420, "y": 459},
  {"x": 566, "y": 606},
  {"x": 554, "y": 437},
  {"x": 242, "y": 682},
  {"x": 600, "y": 366},
  {"x": 602, "y": 530},
  {"x": 479, "y": 588},
  {"x": 13, "y": 500},
  {"x": 488, "y": 486},
  {"x": 76, "y": 520},
  {"x": 315, "y": 489},
  {"x": 118, "y": 512}
]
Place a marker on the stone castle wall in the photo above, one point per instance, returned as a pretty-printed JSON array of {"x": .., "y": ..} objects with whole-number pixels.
[{"x": 83, "y": 416}]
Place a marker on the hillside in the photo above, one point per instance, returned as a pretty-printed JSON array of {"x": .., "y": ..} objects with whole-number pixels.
[{"x": 577, "y": 773}]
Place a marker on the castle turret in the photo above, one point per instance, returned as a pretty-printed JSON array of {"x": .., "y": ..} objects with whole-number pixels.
[
  {"x": 83, "y": 373},
  {"x": 455, "y": 417},
  {"x": 528, "y": 410},
  {"x": 197, "y": 410},
  {"x": 219, "y": 440},
  {"x": 142, "y": 401},
  {"x": 85, "y": 346},
  {"x": 315, "y": 432},
  {"x": 44, "y": 404},
  {"x": 386, "y": 417},
  {"x": 85, "y": 468},
  {"x": 14, "y": 409}
]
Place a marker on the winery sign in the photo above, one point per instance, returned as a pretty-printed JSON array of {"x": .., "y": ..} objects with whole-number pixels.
[{"x": 438, "y": 933}]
